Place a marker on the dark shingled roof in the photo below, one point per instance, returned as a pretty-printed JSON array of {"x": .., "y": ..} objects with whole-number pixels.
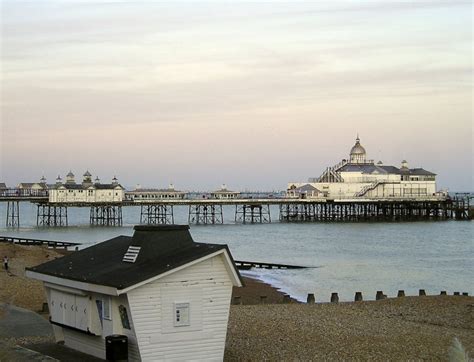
[
  {"x": 421, "y": 172},
  {"x": 371, "y": 168},
  {"x": 306, "y": 187},
  {"x": 106, "y": 186},
  {"x": 364, "y": 168},
  {"x": 85, "y": 186},
  {"x": 391, "y": 169},
  {"x": 72, "y": 186},
  {"x": 163, "y": 248}
]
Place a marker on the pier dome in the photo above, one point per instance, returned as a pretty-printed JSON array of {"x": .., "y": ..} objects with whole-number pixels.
[
  {"x": 357, "y": 154},
  {"x": 70, "y": 178}
]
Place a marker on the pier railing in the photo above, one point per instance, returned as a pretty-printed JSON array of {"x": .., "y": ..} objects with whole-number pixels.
[{"x": 15, "y": 193}]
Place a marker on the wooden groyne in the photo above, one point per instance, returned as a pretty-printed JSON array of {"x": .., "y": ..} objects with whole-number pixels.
[
  {"x": 30, "y": 241},
  {"x": 379, "y": 295},
  {"x": 246, "y": 265},
  {"x": 243, "y": 265}
]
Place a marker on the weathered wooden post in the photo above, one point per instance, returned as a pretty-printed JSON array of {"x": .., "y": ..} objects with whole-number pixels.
[
  {"x": 421, "y": 293},
  {"x": 358, "y": 297},
  {"x": 401, "y": 293},
  {"x": 45, "y": 308},
  {"x": 334, "y": 298},
  {"x": 465, "y": 294},
  {"x": 286, "y": 299},
  {"x": 456, "y": 293},
  {"x": 379, "y": 295},
  {"x": 443, "y": 292},
  {"x": 263, "y": 299},
  {"x": 310, "y": 299}
]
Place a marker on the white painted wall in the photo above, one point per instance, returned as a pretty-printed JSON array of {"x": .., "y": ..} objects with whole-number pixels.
[
  {"x": 86, "y": 195},
  {"x": 207, "y": 287},
  {"x": 387, "y": 188},
  {"x": 93, "y": 345}
]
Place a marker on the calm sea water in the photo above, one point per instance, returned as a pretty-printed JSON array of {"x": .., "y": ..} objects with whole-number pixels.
[{"x": 344, "y": 257}]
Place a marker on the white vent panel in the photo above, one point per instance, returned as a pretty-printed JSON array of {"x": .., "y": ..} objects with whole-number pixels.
[{"x": 132, "y": 254}]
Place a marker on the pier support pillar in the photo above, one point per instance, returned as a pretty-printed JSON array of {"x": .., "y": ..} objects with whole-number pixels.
[
  {"x": 289, "y": 212},
  {"x": 252, "y": 214},
  {"x": 205, "y": 214},
  {"x": 106, "y": 215},
  {"x": 300, "y": 212},
  {"x": 156, "y": 214},
  {"x": 13, "y": 214},
  {"x": 51, "y": 215}
]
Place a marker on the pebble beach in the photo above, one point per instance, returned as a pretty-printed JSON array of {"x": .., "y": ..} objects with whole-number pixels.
[{"x": 406, "y": 328}]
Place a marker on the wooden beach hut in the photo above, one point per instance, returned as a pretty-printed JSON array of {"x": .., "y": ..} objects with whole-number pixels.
[{"x": 169, "y": 295}]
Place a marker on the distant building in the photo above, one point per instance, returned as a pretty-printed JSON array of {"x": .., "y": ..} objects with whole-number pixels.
[
  {"x": 3, "y": 188},
  {"x": 306, "y": 191},
  {"x": 359, "y": 177},
  {"x": 224, "y": 194},
  {"x": 87, "y": 191},
  {"x": 167, "y": 294},
  {"x": 150, "y": 194},
  {"x": 33, "y": 188}
]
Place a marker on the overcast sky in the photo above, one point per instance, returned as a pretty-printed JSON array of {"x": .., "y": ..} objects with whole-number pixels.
[{"x": 253, "y": 95}]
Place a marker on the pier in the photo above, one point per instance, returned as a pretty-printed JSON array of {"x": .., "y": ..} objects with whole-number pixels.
[{"x": 207, "y": 211}]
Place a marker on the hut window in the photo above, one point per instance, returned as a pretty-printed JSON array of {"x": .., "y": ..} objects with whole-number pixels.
[
  {"x": 124, "y": 317},
  {"x": 181, "y": 314},
  {"x": 106, "y": 308}
]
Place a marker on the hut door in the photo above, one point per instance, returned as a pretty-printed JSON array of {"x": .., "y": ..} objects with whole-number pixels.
[
  {"x": 56, "y": 307},
  {"x": 69, "y": 309},
  {"x": 82, "y": 312}
]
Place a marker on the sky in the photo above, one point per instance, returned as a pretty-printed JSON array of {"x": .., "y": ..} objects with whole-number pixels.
[{"x": 250, "y": 94}]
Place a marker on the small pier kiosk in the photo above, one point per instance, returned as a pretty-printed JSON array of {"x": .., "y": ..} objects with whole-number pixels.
[{"x": 165, "y": 295}]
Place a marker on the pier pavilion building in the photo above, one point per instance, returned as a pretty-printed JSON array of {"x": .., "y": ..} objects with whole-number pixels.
[
  {"x": 150, "y": 194},
  {"x": 33, "y": 187},
  {"x": 85, "y": 192},
  {"x": 3, "y": 188},
  {"x": 359, "y": 177},
  {"x": 224, "y": 193}
]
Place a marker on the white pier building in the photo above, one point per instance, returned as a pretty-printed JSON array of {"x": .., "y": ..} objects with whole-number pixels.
[
  {"x": 150, "y": 194},
  {"x": 87, "y": 191},
  {"x": 359, "y": 177}
]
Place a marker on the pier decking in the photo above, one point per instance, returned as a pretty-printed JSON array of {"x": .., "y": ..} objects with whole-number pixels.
[{"x": 209, "y": 211}]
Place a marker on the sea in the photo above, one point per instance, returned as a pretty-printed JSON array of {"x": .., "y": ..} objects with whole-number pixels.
[{"x": 343, "y": 257}]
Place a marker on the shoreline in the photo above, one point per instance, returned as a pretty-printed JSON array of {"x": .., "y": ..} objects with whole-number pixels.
[{"x": 275, "y": 328}]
